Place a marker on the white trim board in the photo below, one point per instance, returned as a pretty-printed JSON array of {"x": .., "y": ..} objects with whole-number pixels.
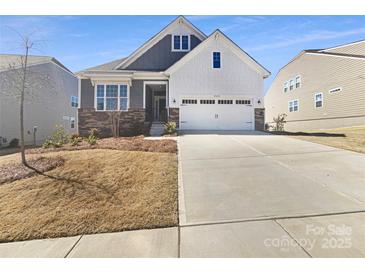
[
  {"x": 343, "y": 46},
  {"x": 155, "y": 83},
  {"x": 333, "y": 55}
]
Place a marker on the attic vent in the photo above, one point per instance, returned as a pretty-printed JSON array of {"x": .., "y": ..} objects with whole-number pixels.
[
  {"x": 216, "y": 36},
  {"x": 180, "y": 21}
]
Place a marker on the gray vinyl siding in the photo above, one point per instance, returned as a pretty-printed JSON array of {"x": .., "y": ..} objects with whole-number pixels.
[
  {"x": 319, "y": 74},
  {"x": 355, "y": 49},
  {"x": 136, "y": 94},
  {"x": 48, "y": 105},
  {"x": 160, "y": 57},
  {"x": 87, "y": 94}
]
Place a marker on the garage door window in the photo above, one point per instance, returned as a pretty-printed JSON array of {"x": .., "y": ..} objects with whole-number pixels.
[
  {"x": 225, "y": 102},
  {"x": 243, "y": 102},
  {"x": 189, "y": 101},
  {"x": 207, "y": 102}
]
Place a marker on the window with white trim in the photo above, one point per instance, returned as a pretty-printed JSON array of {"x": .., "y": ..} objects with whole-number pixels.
[
  {"x": 298, "y": 81},
  {"x": 216, "y": 59},
  {"x": 74, "y": 101},
  {"x": 181, "y": 42},
  {"x": 72, "y": 122},
  {"x": 318, "y": 100},
  {"x": 123, "y": 97},
  {"x": 286, "y": 85},
  {"x": 291, "y": 84},
  {"x": 293, "y": 105},
  {"x": 112, "y": 97}
]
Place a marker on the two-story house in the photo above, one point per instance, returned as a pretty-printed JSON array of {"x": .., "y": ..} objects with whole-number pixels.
[{"x": 180, "y": 74}]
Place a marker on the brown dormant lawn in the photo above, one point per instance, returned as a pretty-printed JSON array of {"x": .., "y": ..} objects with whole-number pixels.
[
  {"x": 351, "y": 138},
  {"x": 98, "y": 190}
]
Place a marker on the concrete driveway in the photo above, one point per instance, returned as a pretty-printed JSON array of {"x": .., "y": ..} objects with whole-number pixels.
[{"x": 238, "y": 189}]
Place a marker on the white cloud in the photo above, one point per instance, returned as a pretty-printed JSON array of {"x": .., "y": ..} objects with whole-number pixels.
[{"x": 310, "y": 37}]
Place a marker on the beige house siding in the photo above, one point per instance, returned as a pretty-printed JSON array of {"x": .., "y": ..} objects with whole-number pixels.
[
  {"x": 355, "y": 49},
  {"x": 320, "y": 73}
]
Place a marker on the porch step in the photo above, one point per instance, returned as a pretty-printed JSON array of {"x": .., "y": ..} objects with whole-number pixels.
[{"x": 157, "y": 129}]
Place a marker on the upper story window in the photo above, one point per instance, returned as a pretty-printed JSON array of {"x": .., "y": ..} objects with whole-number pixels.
[
  {"x": 291, "y": 84},
  {"x": 318, "y": 99},
  {"x": 181, "y": 43},
  {"x": 297, "y": 82},
  {"x": 286, "y": 85},
  {"x": 111, "y": 97},
  {"x": 74, "y": 101},
  {"x": 293, "y": 105},
  {"x": 185, "y": 42},
  {"x": 216, "y": 59}
]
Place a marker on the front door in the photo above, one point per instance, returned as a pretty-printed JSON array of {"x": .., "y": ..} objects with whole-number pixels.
[{"x": 159, "y": 110}]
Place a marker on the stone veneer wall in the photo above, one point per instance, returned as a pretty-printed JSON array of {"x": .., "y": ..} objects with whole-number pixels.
[
  {"x": 174, "y": 116},
  {"x": 259, "y": 118},
  {"x": 132, "y": 122}
]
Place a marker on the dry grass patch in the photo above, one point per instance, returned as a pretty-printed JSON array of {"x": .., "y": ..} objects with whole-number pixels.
[
  {"x": 102, "y": 191},
  {"x": 351, "y": 138}
]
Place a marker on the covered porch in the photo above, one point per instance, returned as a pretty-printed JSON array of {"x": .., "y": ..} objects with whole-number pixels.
[{"x": 156, "y": 101}]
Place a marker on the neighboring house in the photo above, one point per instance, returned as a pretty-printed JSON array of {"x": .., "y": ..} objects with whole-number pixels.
[
  {"x": 178, "y": 75},
  {"x": 51, "y": 98},
  {"x": 320, "y": 89}
]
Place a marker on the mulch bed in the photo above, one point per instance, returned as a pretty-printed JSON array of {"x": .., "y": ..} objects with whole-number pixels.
[
  {"x": 14, "y": 171},
  {"x": 121, "y": 143}
]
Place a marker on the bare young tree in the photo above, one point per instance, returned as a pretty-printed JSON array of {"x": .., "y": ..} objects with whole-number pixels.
[
  {"x": 115, "y": 121},
  {"x": 21, "y": 83}
]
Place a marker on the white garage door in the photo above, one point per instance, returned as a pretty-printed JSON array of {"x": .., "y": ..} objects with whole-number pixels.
[{"x": 216, "y": 114}]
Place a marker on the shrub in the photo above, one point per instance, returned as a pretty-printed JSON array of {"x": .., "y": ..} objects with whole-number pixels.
[
  {"x": 267, "y": 126},
  {"x": 92, "y": 139},
  {"x": 279, "y": 122},
  {"x": 94, "y": 132},
  {"x": 75, "y": 141},
  {"x": 170, "y": 128},
  {"x": 14, "y": 142},
  {"x": 58, "y": 138}
]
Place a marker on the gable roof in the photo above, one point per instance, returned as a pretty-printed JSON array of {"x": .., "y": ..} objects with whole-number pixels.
[
  {"x": 343, "y": 45},
  {"x": 156, "y": 38},
  {"x": 325, "y": 52},
  {"x": 106, "y": 66},
  {"x": 7, "y": 60},
  {"x": 239, "y": 51}
]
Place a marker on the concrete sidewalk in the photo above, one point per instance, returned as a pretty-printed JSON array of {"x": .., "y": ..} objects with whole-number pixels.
[
  {"x": 275, "y": 238},
  {"x": 152, "y": 243}
]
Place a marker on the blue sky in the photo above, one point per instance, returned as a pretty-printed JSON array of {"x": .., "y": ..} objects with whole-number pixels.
[{"x": 83, "y": 41}]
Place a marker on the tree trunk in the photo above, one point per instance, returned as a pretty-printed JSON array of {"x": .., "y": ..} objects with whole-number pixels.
[{"x": 22, "y": 146}]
